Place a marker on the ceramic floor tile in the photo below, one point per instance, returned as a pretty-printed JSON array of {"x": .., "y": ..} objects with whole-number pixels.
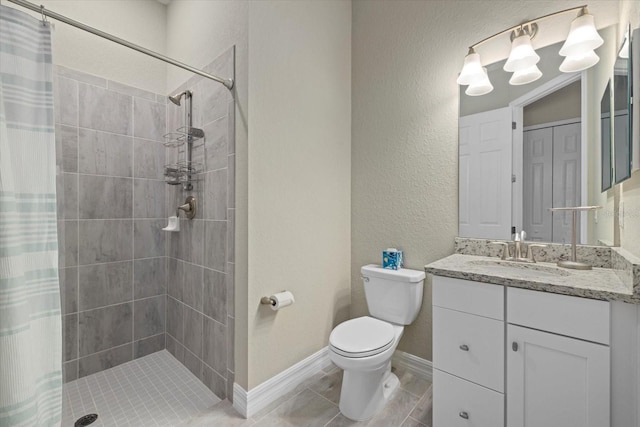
[
  {"x": 423, "y": 411},
  {"x": 305, "y": 384},
  {"x": 307, "y": 409},
  {"x": 410, "y": 422},
  {"x": 329, "y": 386},
  {"x": 396, "y": 410},
  {"x": 131, "y": 393},
  {"x": 411, "y": 383},
  {"x": 220, "y": 414}
]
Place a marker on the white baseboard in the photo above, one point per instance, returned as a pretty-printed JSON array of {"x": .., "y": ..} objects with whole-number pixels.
[
  {"x": 418, "y": 366},
  {"x": 250, "y": 402}
]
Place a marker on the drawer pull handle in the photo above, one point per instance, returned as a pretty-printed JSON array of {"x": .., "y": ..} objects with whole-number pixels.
[
  {"x": 464, "y": 415},
  {"x": 464, "y": 347},
  {"x": 514, "y": 346}
]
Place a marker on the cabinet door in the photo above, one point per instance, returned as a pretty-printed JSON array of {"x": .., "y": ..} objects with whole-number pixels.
[{"x": 555, "y": 381}]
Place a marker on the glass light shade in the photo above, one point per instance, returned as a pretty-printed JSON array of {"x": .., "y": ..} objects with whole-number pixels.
[
  {"x": 624, "y": 51},
  {"x": 582, "y": 37},
  {"x": 525, "y": 76},
  {"x": 522, "y": 55},
  {"x": 471, "y": 70},
  {"x": 574, "y": 63},
  {"x": 480, "y": 87}
]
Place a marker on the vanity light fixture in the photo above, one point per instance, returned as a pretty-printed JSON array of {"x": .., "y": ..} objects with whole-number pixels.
[
  {"x": 624, "y": 51},
  {"x": 522, "y": 55},
  {"x": 578, "y": 49},
  {"x": 472, "y": 70},
  {"x": 481, "y": 86}
]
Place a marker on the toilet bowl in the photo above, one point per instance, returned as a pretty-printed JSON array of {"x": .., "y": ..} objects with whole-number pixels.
[{"x": 363, "y": 347}]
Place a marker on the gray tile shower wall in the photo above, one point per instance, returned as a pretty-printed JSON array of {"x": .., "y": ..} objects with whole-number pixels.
[
  {"x": 200, "y": 263},
  {"x": 111, "y": 208}
]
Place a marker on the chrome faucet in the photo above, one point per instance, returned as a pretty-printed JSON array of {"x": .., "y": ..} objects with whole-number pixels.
[{"x": 519, "y": 249}]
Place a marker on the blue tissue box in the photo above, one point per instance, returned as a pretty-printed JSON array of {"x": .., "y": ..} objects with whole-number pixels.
[{"x": 392, "y": 259}]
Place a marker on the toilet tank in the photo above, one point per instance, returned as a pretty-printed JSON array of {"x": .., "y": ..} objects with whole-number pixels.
[{"x": 393, "y": 295}]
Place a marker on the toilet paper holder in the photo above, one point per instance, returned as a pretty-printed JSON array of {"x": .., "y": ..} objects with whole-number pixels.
[
  {"x": 267, "y": 301},
  {"x": 278, "y": 300}
]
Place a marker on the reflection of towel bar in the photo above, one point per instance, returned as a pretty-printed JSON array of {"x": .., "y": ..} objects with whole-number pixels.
[{"x": 267, "y": 300}]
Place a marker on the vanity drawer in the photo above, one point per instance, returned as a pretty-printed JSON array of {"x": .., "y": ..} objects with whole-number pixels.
[
  {"x": 576, "y": 317},
  {"x": 469, "y": 346},
  {"x": 459, "y": 403},
  {"x": 483, "y": 299}
]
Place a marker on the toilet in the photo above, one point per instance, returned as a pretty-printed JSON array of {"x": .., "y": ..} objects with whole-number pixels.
[{"x": 363, "y": 347}]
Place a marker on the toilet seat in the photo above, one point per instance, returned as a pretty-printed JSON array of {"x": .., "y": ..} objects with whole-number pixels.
[{"x": 361, "y": 337}]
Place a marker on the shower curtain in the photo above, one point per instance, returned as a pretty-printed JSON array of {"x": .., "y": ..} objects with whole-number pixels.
[{"x": 30, "y": 318}]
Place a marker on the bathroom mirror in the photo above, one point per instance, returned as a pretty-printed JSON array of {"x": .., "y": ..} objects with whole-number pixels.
[
  {"x": 548, "y": 160},
  {"x": 622, "y": 111},
  {"x": 606, "y": 153}
]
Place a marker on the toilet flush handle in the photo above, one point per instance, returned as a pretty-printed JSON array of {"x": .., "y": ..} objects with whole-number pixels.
[{"x": 364, "y": 279}]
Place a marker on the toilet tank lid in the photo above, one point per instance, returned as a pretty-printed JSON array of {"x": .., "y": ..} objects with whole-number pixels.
[{"x": 402, "y": 275}]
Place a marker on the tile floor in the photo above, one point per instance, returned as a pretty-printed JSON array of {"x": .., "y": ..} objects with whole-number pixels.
[{"x": 157, "y": 390}]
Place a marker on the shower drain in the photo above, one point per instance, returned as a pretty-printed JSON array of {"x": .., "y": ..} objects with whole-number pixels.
[{"x": 86, "y": 420}]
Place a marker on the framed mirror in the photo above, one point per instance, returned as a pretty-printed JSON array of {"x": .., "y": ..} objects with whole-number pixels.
[
  {"x": 524, "y": 149},
  {"x": 622, "y": 110},
  {"x": 606, "y": 152}
]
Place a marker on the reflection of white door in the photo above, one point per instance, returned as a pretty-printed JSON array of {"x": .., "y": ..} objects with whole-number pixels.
[
  {"x": 537, "y": 183},
  {"x": 566, "y": 178},
  {"x": 485, "y": 174},
  {"x": 551, "y": 178}
]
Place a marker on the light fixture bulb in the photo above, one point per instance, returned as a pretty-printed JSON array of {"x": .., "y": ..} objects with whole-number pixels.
[
  {"x": 522, "y": 54},
  {"x": 528, "y": 75},
  {"x": 480, "y": 87},
  {"x": 471, "y": 70},
  {"x": 582, "y": 37},
  {"x": 624, "y": 51},
  {"x": 575, "y": 63}
]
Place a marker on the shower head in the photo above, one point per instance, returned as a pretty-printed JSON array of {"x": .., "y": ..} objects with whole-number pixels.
[{"x": 178, "y": 96}]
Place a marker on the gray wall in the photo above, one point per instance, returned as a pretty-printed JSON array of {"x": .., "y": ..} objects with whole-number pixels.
[
  {"x": 110, "y": 205},
  {"x": 200, "y": 308}
]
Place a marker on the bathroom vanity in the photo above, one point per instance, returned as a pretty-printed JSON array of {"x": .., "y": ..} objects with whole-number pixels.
[{"x": 535, "y": 345}]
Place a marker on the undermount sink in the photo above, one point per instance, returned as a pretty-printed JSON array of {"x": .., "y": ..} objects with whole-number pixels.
[{"x": 520, "y": 269}]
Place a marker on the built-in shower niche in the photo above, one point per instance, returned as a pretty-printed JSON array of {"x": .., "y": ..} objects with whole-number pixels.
[
  {"x": 200, "y": 292},
  {"x": 111, "y": 206}
]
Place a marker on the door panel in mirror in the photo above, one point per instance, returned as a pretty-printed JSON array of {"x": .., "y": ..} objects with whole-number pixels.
[
  {"x": 606, "y": 153},
  {"x": 622, "y": 112}
]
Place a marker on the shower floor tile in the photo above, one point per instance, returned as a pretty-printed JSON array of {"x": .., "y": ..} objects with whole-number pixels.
[{"x": 155, "y": 390}]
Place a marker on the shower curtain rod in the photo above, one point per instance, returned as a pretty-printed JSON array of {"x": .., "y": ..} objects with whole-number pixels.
[{"x": 41, "y": 9}]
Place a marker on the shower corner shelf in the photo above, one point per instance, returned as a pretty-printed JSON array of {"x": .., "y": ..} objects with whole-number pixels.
[{"x": 182, "y": 135}]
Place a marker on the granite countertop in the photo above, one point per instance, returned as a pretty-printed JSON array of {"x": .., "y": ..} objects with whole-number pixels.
[{"x": 600, "y": 283}]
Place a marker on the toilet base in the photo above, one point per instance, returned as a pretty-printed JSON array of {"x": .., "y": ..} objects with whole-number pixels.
[{"x": 364, "y": 393}]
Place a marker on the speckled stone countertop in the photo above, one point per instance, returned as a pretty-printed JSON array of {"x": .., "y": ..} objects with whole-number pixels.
[{"x": 619, "y": 282}]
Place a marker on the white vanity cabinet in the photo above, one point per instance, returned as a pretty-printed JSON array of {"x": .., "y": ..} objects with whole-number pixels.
[
  {"x": 468, "y": 353},
  {"x": 514, "y": 357},
  {"x": 557, "y": 360}
]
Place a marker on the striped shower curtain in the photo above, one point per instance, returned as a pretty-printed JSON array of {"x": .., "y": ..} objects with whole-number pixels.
[{"x": 30, "y": 321}]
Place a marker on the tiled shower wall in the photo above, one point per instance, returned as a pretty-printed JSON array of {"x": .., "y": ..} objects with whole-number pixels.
[
  {"x": 110, "y": 209},
  {"x": 200, "y": 287}
]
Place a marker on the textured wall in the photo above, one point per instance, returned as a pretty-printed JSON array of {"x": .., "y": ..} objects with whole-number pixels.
[
  {"x": 110, "y": 196},
  {"x": 140, "y": 22},
  {"x": 406, "y": 56},
  {"x": 299, "y": 178}
]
